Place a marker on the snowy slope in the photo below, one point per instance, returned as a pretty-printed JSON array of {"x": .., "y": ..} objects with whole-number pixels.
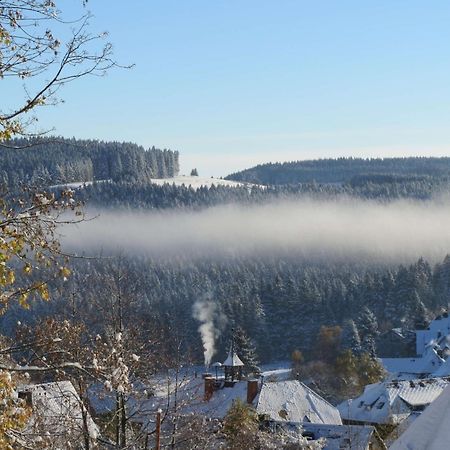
[
  {"x": 77, "y": 184},
  {"x": 197, "y": 182},
  {"x": 194, "y": 182}
]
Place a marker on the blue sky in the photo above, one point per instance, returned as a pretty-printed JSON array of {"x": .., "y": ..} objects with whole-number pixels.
[{"x": 233, "y": 83}]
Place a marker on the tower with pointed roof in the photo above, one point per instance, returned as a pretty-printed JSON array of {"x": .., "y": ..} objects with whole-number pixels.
[{"x": 232, "y": 365}]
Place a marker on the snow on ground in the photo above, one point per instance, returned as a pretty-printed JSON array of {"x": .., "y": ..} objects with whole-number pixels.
[
  {"x": 77, "y": 184},
  {"x": 198, "y": 182},
  {"x": 180, "y": 180}
]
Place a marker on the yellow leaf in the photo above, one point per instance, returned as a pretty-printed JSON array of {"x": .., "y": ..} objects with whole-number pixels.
[{"x": 23, "y": 300}]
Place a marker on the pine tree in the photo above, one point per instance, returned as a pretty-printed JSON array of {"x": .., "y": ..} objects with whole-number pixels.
[
  {"x": 350, "y": 337},
  {"x": 246, "y": 350},
  {"x": 368, "y": 327}
]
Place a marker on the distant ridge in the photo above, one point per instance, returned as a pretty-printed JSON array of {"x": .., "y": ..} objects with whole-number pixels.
[{"x": 343, "y": 170}]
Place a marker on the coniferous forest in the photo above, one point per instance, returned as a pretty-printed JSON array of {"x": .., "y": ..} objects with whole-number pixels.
[
  {"x": 344, "y": 170},
  {"x": 44, "y": 162},
  {"x": 281, "y": 302}
]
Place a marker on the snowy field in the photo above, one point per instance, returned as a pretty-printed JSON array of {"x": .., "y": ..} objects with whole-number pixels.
[
  {"x": 197, "y": 182},
  {"x": 76, "y": 185},
  {"x": 180, "y": 180}
]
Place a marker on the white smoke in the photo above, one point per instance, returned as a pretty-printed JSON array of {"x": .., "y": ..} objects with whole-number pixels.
[{"x": 206, "y": 311}]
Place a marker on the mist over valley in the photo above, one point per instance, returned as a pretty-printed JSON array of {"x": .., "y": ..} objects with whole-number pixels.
[{"x": 399, "y": 231}]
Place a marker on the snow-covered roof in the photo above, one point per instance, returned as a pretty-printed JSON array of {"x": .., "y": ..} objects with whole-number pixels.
[
  {"x": 233, "y": 360},
  {"x": 437, "y": 328},
  {"x": 392, "y": 402},
  {"x": 295, "y": 401},
  {"x": 218, "y": 405},
  {"x": 292, "y": 401},
  {"x": 444, "y": 369},
  {"x": 277, "y": 374},
  {"x": 398, "y": 332},
  {"x": 426, "y": 364},
  {"x": 57, "y": 413},
  {"x": 189, "y": 397},
  {"x": 431, "y": 430}
]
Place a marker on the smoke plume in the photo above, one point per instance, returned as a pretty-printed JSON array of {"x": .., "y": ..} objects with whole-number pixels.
[{"x": 206, "y": 311}]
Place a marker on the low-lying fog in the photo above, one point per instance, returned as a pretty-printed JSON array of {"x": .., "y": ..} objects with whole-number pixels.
[{"x": 396, "y": 232}]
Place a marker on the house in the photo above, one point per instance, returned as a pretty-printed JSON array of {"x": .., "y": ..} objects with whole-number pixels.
[
  {"x": 283, "y": 401},
  {"x": 391, "y": 402},
  {"x": 409, "y": 368},
  {"x": 431, "y": 430},
  {"x": 397, "y": 342},
  {"x": 212, "y": 397},
  {"x": 293, "y": 401},
  {"x": 58, "y": 415},
  {"x": 438, "y": 328},
  {"x": 289, "y": 401},
  {"x": 432, "y": 351}
]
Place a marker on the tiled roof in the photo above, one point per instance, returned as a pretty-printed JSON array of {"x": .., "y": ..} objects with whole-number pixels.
[
  {"x": 392, "y": 402},
  {"x": 294, "y": 402},
  {"x": 431, "y": 429},
  {"x": 282, "y": 400}
]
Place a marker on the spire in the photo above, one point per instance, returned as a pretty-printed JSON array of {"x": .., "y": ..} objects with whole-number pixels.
[
  {"x": 233, "y": 360},
  {"x": 233, "y": 364}
]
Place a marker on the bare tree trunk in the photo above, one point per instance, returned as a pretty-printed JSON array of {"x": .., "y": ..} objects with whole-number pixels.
[
  {"x": 123, "y": 421},
  {"x": 117, "y": 421},
  {"x": 84, "y": 415},
  {"x": 158, "y": 430},
  {"x": 175, "y": 416}
]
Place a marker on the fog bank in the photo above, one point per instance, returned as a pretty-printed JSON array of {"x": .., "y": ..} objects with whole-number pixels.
[{"x": 397, "y": 231}]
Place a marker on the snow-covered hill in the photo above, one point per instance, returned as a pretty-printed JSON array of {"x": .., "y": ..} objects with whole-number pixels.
[{"x": 197, "y": 182}]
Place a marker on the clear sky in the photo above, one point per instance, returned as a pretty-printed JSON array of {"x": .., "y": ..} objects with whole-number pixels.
[{"x": 233, "y": 83}]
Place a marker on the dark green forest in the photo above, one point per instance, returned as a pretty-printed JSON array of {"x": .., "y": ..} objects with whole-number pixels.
[
  {"x": 43, "y": 162},
  {"x": 281, "y": 303},
  {"x": 151, "y": 196},
  {"x": 344, "y": 170}
]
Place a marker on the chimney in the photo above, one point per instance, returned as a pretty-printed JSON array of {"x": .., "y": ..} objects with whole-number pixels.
[
  {"x": 252, "y": 390},
  {"x": 209, "y": 388}
]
